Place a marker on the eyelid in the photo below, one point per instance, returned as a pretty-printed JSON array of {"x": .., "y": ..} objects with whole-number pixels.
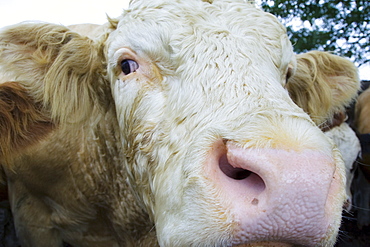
[{"x": 120, "y": 55}]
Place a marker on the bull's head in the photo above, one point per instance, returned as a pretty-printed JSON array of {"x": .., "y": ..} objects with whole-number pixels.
[
  {"x": 219, "y": 153},
  {"x": 214, "y": 148}
]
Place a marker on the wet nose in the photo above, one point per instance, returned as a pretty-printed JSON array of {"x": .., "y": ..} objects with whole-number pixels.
[{"x": 276, "y": 195}]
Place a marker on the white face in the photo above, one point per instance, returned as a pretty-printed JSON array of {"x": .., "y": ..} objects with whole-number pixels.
[{"x": 217, "y": 151}]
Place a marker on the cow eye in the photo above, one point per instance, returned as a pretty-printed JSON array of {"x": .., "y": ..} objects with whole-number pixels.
[{"x": 129, "y": 66}]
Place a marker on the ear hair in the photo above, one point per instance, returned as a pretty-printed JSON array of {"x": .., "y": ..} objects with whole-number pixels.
[
  {"x": 28, "y": 49},
  {"x": 74, "y": 84},
  {"x": 58, "y": 67},
  {"x": 22, "y": 121},
  {"x": 324, "y": 84},
  {"x": 113, "y": 23}
]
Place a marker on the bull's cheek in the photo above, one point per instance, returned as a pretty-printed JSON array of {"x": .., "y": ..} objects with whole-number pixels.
[
  {"x": 139, "y": 114},
  {"x": 195, "y": 217},
  {"x": 187, "y": 208}
]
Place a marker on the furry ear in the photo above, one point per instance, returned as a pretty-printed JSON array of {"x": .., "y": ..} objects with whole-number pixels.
[
  {"x": 323, "y": 85},
  {"x": 22, "y": 121},
  {"x": 58, "y": 67},
  {"x": 362, "y": 115}
]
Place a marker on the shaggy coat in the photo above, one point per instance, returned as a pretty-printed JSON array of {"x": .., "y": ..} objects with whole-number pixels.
[{"x": 139, "y": 134}]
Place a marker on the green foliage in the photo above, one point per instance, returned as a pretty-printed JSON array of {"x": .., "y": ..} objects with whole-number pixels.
[{"x": 331, "y": 25}]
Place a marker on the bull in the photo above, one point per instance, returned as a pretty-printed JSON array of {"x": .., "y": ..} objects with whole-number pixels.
[{"x": 176, "y": 124}]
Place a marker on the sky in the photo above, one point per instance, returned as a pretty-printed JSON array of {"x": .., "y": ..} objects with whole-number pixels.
[
  {"x": 64, "y": 12},
  {"x": 68, "y": 12}
]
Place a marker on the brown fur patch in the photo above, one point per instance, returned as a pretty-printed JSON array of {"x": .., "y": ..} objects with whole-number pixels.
[
  {"x": 362, "y": 113},
  {"x": 337, "y": 120},
  {"x": 53, "y": 63},
  {"x": 22, "y": 122}
]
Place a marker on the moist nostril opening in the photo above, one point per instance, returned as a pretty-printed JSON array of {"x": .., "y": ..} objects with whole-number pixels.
[
  {"x": 232, "y": 172},
  {"x": 241, "y": 175}
]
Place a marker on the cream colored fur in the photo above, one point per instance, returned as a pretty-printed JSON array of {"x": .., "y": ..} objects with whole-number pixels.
[
  {"x": 349, "y": 146},
  {"x": 323, "y": 84},
  {"x": 122, "y": 164}
]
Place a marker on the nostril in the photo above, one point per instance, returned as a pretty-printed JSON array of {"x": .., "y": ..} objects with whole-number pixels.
[
  {"x": 251, "y": 181},
  {"x": 232, "y": 172}
]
